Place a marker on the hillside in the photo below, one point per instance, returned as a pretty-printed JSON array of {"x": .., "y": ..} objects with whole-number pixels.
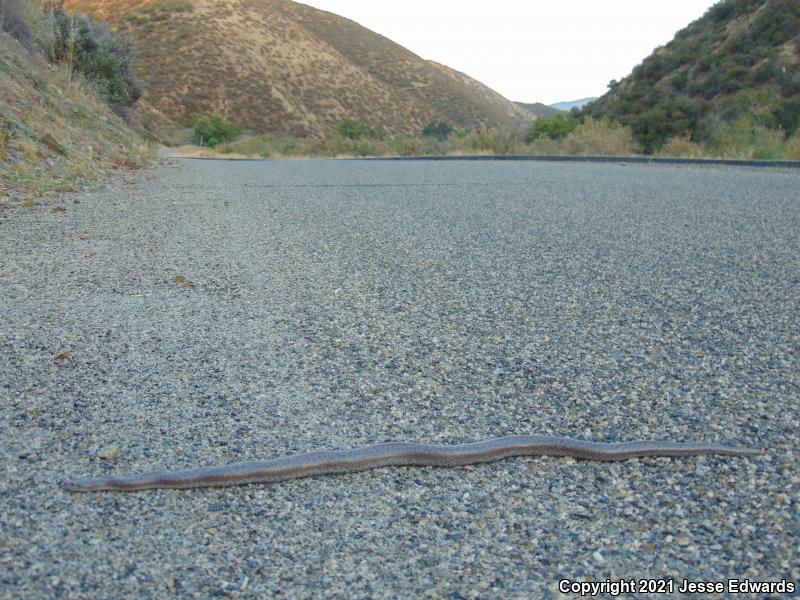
[
  {"x": 735, "y": 71},
  {"x": 537, "y": 109},
  {"x": 277, "y": 65},
  {"x": 56, "y": 133}
]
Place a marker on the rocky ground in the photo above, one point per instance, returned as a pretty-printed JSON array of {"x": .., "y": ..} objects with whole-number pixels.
[{"x": 226, "y": 311}]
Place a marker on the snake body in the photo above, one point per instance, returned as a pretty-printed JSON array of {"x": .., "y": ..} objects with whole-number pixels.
[{"x": 397, "y": 453}]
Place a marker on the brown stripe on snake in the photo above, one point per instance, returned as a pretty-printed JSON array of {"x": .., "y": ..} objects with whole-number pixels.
[{"x": 399, "y": 454}]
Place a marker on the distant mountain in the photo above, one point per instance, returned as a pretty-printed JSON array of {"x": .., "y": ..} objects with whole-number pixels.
[
  {"x": 569, "y": 105},
  {"x": 741, "y": 60},
  {"x": 278, "y": 65},
  {"x": 537, "y": 109}
]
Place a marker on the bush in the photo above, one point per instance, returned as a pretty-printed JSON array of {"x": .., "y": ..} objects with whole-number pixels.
[
  {"x": 485, "y": 141},
  {"x": 106, "y": 59},
  {"x": 681, "y": 147},
  {"x": 249, "y": 146},
  {"x": 440, "y": 131},
  {"x": 793, "y": 147},
  {"x": 544, "y": 146},
  {"x": 354, "y": 129},
  {"x": 599, "y": 138},
  {"x": 212, "y": 130},
  {"x": 408, "y": 145},
  {"x": 365, "y": 148},
  {"x": 555, "y": 128},
  {"x": 745, "y": 138},
  {"x": 672, "y": 117}
]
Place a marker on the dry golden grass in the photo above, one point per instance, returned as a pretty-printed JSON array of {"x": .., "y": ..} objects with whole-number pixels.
[
  {"x": 793, "y": 147},
  {"x": 682, "y": 148},
  {"x": 29, "y": 149},
  {"x": 191, "y": 151},
  {"x": 599, "y": 138}
]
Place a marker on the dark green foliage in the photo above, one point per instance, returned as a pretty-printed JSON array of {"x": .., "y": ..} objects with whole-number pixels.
[
  {"x": 212, "y": 129},
  {"x": 670, "y": 118},
  {"x": 789, "y": 79},
  {"x": 555, "y": 128},
  {"x": 106, "y": 59},
  {"x": 788, "y": 115},
  {"x": 729, "y": 9},
  {"x": 763, "y": 74},
  {"x": 440, "y": 131},
  {"x": 680, "y": 81},
  {"x": 354, "y": 129}
]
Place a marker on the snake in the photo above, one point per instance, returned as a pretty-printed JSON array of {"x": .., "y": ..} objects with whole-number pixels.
[{"x": 310, "y": 464}]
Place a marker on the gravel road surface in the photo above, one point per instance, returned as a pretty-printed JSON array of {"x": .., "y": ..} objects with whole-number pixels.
[{"x": 211, "y": 312}]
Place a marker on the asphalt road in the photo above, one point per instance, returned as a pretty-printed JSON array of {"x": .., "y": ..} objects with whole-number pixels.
[{"x": 210, "y": 312}]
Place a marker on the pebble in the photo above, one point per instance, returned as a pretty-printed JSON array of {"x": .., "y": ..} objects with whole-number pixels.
[{"x": 109, "y": 453}]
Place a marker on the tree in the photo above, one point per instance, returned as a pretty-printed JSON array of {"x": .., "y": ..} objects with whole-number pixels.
[
  {"x": 555, "y": 128},
  {"x": 212, "y": 130}
]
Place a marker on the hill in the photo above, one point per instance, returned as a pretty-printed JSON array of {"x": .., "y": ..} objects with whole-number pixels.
[
  {"x": 537, "y": 109},
  {"x": 570, "y": 104},
  {"x": 277, "y": 65},
  {"x": 734, "y": 72}
]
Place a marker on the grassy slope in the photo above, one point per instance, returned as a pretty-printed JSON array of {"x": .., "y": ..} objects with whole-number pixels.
[
  {"x": 55, "y": 135},
  {"x": 279, "y": 65}
]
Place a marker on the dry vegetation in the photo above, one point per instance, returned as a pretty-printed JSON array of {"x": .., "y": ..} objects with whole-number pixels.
[
  {"x": 277, "y": 65},
  {"x": 591, "y": 138},
  {"x": 55, "y": 134}
]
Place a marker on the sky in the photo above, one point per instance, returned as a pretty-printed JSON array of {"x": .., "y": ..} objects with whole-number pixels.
[{"x": 528, "y": 50}]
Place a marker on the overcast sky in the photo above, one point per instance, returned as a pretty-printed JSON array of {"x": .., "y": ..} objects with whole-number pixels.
[{"x": 528, "y": 50}]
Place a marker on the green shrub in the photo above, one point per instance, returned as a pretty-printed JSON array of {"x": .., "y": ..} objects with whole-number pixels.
[
  {"x": 408, "y": 145},
  {"x": 440, "y": 131},
  {"x": 746, "y": 138},
  {"x": 212, "y": 130},
  {"x": 672, "y": 117},
  {"x": 106, "y": 59},
  {"x": 354, "y": 129},
  {"x": 555, "y": 128},
  {"x": 365, "y": 148}
]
